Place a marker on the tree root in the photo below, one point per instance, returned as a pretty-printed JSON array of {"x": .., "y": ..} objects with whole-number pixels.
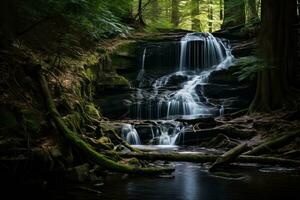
[
  {"x": 275, "y": 143},
  {"x": 204, "y": 158},
  {"x": 85, "y": 148},
  {"x": 229, "y": 156}
]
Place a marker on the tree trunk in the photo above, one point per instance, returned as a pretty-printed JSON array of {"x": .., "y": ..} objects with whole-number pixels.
[
  {"x": 221, "y": 10},
  {"x": 229, "y": 156},
  {"x": 234, "y": 13},
  {"x": 175, "y": 13},
  {"x": 155, "y": 10},
  {"x": 252, "y": 11},
  {"x": 210, "y": 16},
  {"x": 195, "y": 15},
  {"x": 278, "y": 49},
  {"x": 140, "y": 13}
]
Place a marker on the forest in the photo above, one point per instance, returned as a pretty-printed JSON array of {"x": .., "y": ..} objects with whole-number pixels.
[{"x": 150, "y": 99}]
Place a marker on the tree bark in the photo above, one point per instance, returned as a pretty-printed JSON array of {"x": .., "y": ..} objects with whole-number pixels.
[
  {"x": 252, "y": 11},
  {"x": 273, "y": 144},
  {"x": 210, "y": 16},
  {"x": 140, "y": 13},
  {"x": 175, "y": 13},
  {"x": 278, "y": 49},
  {"x": 234, "y": 13},
  {"x": 195, "y": 15},
  {"x": 229, "y": 156},
  {"x": 155, "y": 10}
]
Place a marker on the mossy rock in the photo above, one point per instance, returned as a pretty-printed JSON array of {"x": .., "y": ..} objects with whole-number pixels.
[
  {"x": 113, "y": 81},
  {"x": 104, "y": 140},
  {"x": 126, "y": 49},
  {"x": 92, "y": 111}
]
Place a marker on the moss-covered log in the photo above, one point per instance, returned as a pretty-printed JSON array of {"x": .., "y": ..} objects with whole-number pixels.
[
  {"x": 273, "y": 144},
  {"x": 229, "y": 156},
  {"x": 204, "y": 158},
  {"x": 85, "y": 148}
]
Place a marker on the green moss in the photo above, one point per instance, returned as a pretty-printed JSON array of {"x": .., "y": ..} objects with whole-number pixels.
[
  {"x": 127, "y": 49},
  {"x": 92, "y": 111},
  {"x": 114, "y": 80},
  {"x": 104, "y": 140}
]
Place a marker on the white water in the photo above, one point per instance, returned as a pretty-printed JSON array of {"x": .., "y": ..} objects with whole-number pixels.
[
  {"x": 188, "y": 102},
  {"x": 142, "y": 71},
  {"x": 167, "y": 133},
  {"x": 130, "y": 134},
  {"x": 187, "y": 99}
]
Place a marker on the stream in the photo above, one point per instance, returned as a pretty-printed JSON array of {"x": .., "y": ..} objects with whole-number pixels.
[
  {"x": 192, "y": 182},
  {"x": 163, "y": 94}
]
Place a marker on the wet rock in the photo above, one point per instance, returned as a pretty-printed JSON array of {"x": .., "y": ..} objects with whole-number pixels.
[
  {"x": 224, "y": 76},
  {"x": 79, "y": 173},
  {"x": 177, "y": 80}
]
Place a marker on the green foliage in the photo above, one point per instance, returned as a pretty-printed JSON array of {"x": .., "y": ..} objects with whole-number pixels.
[
  {"x": 96, "y": 18},
  {"x": 249, "y": 66}
]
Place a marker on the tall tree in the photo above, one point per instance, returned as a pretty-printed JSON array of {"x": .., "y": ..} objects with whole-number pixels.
[
  {"x": 195, "y": 14},
  {"x": 234, "y": 13},
  {"x": 221, "y": 9},
  {"x": 210, "y": 16},
  {"x": 155, "y": 10},
  {"x": 252, "y": 11},
  {"x": 278, "y": 49},
  {"x": 140, "y": 13},
  {"x": 175, "y": 12}
]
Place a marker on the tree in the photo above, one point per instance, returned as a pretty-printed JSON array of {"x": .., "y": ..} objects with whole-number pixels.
[
  {"x": 195, "y": 15},
  {"x": 234, "y": 13},
  {"x": 175, "y": 13},
  {"x": 155, "y": 10},
  {"x": 252, "y": 11},
  {"x": 210, "y": 16},
  {"x": 140, "y": 13},
  {"x": 278, "y": 49}
]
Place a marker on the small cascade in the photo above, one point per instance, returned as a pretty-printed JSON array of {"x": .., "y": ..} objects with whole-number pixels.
[
  {"x": 180, "y": 94},
  {"x": 142, "y": 71},
  {"x": 222, "y": 111},
  {"x": 130, "y": 134},
  {"x": 163, "y": 133}
]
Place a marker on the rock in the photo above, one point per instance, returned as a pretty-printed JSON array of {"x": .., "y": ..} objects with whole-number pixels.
[
  {"x": 224, "y": 76},
  {"x": 79, "y": 173},
  {"x": 176, "y": 80}
]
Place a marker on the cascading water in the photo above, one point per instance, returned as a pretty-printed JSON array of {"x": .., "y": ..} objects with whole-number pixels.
[
  {"x": 130, "y": 134},
  {"x": 200, "y": 54},
  {"x": 180, "y": 94},
  {"x": 165, "y": 132},
  {"x": 142, "y": 71}
]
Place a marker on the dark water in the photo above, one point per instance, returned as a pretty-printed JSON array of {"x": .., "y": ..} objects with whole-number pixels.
[{"x": 192, "y": 182}]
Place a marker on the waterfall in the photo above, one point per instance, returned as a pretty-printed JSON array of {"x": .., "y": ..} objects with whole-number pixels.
[
  {"x": 163, "y": 133},
  {"x": 142, "y": 71},
  {"x": 180, "y": 94},
  {"x": 130, "y": 134},
  {"x": 222, "y": 110}
]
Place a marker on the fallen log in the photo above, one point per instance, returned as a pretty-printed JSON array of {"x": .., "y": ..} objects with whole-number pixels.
[
  {"x": 204, "y": 158},
  {"x": 273, "y": 144},
  {"x": 229, "y": 156},
  {"x": 84, "y": 147}
]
